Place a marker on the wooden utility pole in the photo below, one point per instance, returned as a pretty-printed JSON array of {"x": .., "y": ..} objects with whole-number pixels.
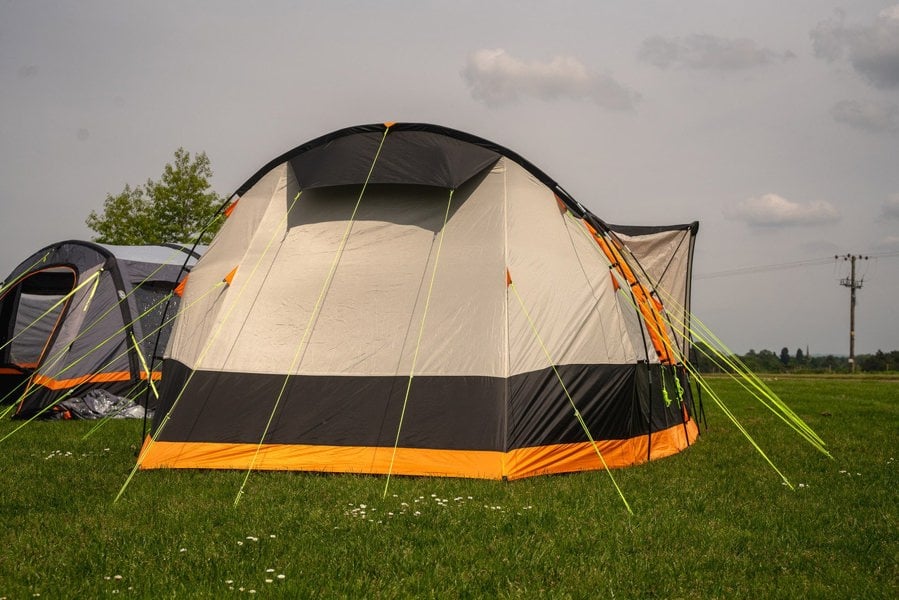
[{"x": 853, "y": 284}]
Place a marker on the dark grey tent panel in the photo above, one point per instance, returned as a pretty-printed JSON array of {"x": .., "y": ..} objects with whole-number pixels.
[{"x": 412, "y": 157}]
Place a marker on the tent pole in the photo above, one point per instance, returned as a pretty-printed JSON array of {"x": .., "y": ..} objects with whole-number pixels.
[
  {"x": 682, "y": 375},
  {"x": 700, "y": 414}
]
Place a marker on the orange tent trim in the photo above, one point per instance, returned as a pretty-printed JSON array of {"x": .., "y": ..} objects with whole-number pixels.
[
  {"x": 480, "y": 464},
  {"x": 63, "y": 384}
]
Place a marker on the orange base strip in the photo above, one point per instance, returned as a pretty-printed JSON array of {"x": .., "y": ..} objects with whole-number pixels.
[
  {"x": 567, "y": 458},
  {"x": 114, "y": 376},
  {"x": 478, "y": 464}
]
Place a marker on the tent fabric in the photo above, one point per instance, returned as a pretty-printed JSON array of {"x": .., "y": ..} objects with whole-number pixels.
[
  {"x": 67, "y": 315},
  {"x": 435, "y": 305},
  {"x": 665, "y": 254}
]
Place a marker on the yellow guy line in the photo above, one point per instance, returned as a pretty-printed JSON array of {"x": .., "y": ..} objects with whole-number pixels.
[
  {"x": 212, "y": 338},
  {"x": 577, "y": 413},
  {"x": 421, "y": 329},
  {"x": 297, "y": 357}
]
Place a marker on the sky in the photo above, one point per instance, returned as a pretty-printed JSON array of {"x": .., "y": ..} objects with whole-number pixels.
[{"x": 774, "y": 124}]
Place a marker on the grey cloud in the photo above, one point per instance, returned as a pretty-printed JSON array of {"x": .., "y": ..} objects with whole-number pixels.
[
  {"x": 497, "y": 78},
  {"x": 27, "y": 72},
  {"x": 867, "y": 116},
  {"x": 772, "y": 210},
  {"x": 890, "y": 242},
  {"x": 708, "y": 52},
  {"x": 872, "y": 50}
]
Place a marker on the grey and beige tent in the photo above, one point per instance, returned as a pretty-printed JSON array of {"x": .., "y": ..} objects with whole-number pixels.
[
  {"x": 78, "y": 316},
  {"x": 411, "y": 299}
]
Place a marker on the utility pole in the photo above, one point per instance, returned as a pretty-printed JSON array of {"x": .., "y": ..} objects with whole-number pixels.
[{"x": 853, "y": 284}]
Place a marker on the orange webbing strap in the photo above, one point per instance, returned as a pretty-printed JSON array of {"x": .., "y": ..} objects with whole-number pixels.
[{"x": 650, "y": 307}]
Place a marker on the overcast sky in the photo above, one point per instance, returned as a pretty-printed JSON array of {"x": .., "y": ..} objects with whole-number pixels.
[{"x": 775, "y": 124}]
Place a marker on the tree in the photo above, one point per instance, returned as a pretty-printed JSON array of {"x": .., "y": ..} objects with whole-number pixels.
[
  {"x": 174, "y": 209},
  {"x": 800, "y": 357},
  {"x": 785, "y": 356}
]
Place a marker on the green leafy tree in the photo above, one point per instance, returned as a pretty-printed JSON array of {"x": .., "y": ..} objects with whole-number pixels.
[{"x": 175, "y": 208}]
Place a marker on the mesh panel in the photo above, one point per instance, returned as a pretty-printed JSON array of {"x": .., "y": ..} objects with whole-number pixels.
[{"x": 150, "y": 299}]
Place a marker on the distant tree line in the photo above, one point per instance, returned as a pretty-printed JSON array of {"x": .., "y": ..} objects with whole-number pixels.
[{"x": 767, "y": 361}]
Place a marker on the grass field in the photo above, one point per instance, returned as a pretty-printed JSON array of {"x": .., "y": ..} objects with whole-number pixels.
[{"x": 712, "y": 522}]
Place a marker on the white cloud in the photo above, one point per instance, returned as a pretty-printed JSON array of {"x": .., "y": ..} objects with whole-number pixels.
[
  {"x": 890, "y": 209},
  {"x": 872, "y": 50},
  {"x": 702, "y": 51},
  {"x": 867, "y": 116},
  {"x": 771, "y": 210},
  {"x": 496, "y": 78}
]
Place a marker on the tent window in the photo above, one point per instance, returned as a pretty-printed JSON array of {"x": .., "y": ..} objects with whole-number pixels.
[{"x": 36, "y": 306}]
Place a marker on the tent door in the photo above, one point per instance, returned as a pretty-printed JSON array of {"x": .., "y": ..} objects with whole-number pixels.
[{"x": 30, "y": 313}]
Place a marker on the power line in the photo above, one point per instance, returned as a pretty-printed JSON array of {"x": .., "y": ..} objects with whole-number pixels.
[{"x": 812, "y": 262}]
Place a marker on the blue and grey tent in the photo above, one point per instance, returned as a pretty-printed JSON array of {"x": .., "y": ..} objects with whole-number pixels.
[{"x": 77, "y": 316}]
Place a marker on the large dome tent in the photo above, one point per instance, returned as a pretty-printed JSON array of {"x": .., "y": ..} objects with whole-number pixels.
[{"x": 412, "y": 299}]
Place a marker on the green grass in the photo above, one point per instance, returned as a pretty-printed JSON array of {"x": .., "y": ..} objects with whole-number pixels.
[{"x": 712, "y": 522}]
